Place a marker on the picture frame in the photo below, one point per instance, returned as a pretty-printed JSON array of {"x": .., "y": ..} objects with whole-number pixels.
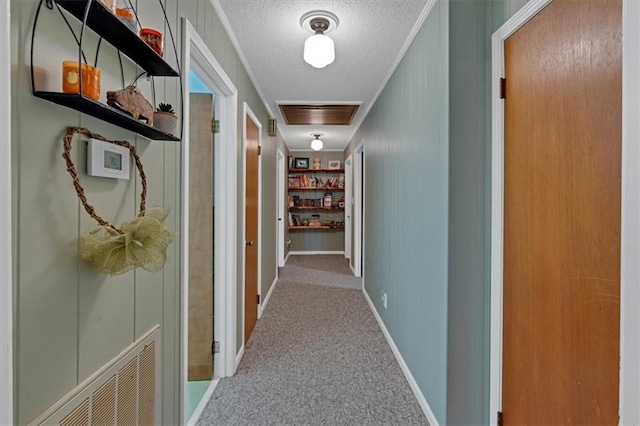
[
  {"x": 302, "y": 163},
  {"x": 334, "y": 164}
]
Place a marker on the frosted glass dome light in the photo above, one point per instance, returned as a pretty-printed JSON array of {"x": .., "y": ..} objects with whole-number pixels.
[
  {"x": 319, "y": 50},
  {"x": 316, "y": 144}
]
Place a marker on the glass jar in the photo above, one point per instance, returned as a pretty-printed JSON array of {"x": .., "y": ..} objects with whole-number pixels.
[
  {"x": 109, "y": 4},
  {"x": 127, "y": 18},
  {"x": 153, "y": 38}
]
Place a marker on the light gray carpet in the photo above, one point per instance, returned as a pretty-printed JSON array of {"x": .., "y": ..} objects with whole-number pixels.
[
  {"x": 328, "y": 270},
  {"x": 317, "y": 357}
]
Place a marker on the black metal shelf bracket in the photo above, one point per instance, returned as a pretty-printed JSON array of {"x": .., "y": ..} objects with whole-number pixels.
[{"x": 94, "y": 15}]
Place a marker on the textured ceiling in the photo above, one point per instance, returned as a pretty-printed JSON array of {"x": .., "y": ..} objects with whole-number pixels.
[{"x": 369, "y": 39}]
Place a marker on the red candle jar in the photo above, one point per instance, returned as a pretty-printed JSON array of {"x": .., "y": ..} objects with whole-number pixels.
[{"x": 153, "y": 38}]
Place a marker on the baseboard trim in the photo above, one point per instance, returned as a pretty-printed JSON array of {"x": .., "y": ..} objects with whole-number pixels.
[
  {"x": 263, "y": 305},
  {"x": 239, "y": 358},
  {"x": 313, "y": 253},
  {"x": 287, "y": 257},
  {"x": 352, "y": 269},
  {"x": 431, "y": 418},
  {"x": 203, "y": 403}
]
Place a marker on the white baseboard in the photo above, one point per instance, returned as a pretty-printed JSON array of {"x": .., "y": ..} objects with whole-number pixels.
[
  {"x": 352, "y": 269},
  {"x": 313, "y": 253},
  {"x": 431, "y": 418},
  {"x": 203, "y": 403},
  {"x": 263, "y": 305},
  {"x": 287, "y": 258},
  {"x": 239, "y": 358}
]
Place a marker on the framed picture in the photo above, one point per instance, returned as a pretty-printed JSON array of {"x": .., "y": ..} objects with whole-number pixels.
[
  {"x": 302, "y": 163},
  {"x": 334, "y": 164}
]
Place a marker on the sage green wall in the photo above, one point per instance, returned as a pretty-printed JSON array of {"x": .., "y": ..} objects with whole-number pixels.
[
  {"x": 406, "y": 206},
  {"x": 69, "y": 320},
  {"x": 469, "y": 213},
  {"x": 470, "y": 27},
  {"x": 319, "y": 240}
]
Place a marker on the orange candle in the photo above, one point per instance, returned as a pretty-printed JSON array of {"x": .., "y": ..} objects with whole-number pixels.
[{"x": 90, "y": 79}]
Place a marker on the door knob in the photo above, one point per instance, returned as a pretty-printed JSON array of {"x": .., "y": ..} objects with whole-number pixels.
[
  {"x": 249, "y": 243},
  {"x": 280, "y": 219}
]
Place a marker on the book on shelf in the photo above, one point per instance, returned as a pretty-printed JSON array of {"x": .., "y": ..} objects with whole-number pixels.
[
  {"x": 294, "y": 181},
  {"x": 328, "y": 197}
]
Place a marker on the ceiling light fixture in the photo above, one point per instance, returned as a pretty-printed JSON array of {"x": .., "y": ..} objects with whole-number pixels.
[
  {"x": 319, "y": 49},
  {"x": 316, "y": 144}
]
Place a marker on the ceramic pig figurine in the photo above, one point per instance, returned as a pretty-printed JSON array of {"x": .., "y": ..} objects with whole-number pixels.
[{"x": 131, "y": 101}]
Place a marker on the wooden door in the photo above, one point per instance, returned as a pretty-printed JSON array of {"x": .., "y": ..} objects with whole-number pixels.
[
  {"x": 251, "y": 228},
  {"x": 563, "y": 135},
  {"x": 200, "y": 237}
]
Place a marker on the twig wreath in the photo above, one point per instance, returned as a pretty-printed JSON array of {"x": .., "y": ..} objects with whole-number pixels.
[{"x": 139, "y": 243}]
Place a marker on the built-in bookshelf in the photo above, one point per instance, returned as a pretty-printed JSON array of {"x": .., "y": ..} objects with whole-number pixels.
[{"x": 316, "y": 199}]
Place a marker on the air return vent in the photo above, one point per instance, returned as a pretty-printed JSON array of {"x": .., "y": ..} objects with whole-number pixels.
[
  {"x": 126, "y": 391},
  {"x": 319, "y": 114}
]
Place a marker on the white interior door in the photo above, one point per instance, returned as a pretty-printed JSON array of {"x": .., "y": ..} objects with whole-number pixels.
[
  {"x": 348, "y": 187},
  {"x": 358, "y": 211},
  {"x": 281, "y": 211}
]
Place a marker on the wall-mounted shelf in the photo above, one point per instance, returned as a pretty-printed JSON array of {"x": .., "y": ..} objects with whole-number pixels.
[
  {"x": 293, "y": 228},
  {"x": 309, "y": 188},
  {"x": 108, "y": 26},
  {"x": 316, "y": 170},
  {"x": 106, "y": 113},
  {"x": 95, "y": 16},
  {"x": 316, "y": 208}
]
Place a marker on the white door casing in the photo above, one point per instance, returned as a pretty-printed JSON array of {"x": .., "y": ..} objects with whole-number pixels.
[
  {"x": 281, "y": 213},
  {"x": 197, "y": 57},
  {"x": 358, "y": 210},
  {"x": 348, "y": 191},
  {"x": 6, "y": 255}
]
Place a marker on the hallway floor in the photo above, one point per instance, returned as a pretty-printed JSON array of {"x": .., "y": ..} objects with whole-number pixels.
[{"x": 317, "y": 357}]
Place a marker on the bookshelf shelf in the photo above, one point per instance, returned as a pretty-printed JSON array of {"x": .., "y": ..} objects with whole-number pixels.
[
  {"x": 306, "y": 211},
  {"x": 316, "y": 208},
  {"x": 310, "y": 188},
  {"x": 316, "y": 170},
  {"x": 294, "y": 228}
]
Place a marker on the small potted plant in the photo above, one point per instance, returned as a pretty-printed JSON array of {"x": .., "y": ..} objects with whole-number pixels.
[{"x": 165, "y": 119}]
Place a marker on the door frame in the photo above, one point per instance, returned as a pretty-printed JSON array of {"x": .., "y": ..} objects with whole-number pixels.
[
  {"x": 6, "y": 228},
  {"x": 196, "y": 55},
  {"x": 348, "y": 188},
  {"x": 358, "y": 216},
  {"x": 629, "y": 410},
  {"x": 247, "y": 111},
  {"x": 281, "y": 212}
]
